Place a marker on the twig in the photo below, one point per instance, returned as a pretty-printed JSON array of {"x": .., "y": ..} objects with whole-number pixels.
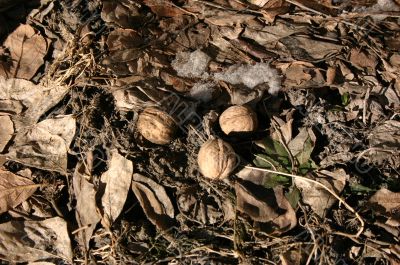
[
  {"x": 365, "y": 103},
  {"x": 305, "y": 7},
  {"x": 351, "y": 209}
]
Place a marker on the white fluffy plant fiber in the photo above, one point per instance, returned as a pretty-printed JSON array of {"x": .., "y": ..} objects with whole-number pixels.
[
  {"x": 252, "y": 76},
  {"x": 195, "y": 64}
]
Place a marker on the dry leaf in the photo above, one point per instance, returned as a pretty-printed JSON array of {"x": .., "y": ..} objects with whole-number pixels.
[
  {"x": 164, "y": 8},
  {"x": 287, "y": 220},
  {"x": 384, "y": 141},
  {"x": 203, "y": 209},
  {"x": 317, "y": 197},
  {"x": 117, "y": 180},
  {"x": 302, "y": 145},
  {"x": 122, "y": 13},
  {"x": 28, "y": 49},
  {"x": 324, "y": 6},
  {"x": 386, "y": 203},
  {"x": 306, "y": 49},
  {"x": 28, "y": 241},
  {"x": 29, "y": 101},
  {"x": 121, "y": 39},
  {"x": 3, "y": 159},
  {"x": 45, "y": 145},
  {"x": 330, "y": 75},
  {"x": 301, "y": 75},
  {"x": 292, "y": 257},
  {"x": 194, "y": 38},
  {"x": 386, "y": 135},
  {"x": 273, "y": 8},
  {"x": 154, "y": 200},
  {"x": 270, "y": 35},
  {"x": 285, "y": 128},
  {"x": 87, "y": 215},
  {"x": 14, "y": 190},
  {"x": 265, "y": 205},
  {"x": 257, "y": 177},
  {"x": 257, "y": 202},
  {"x": 134, "y": 62},
  {"x": 228, "y": 18},
  {"x": 134, "y": 98},
  {"x": 6, "y": 132},
  {"x": 363, "y": 60}
]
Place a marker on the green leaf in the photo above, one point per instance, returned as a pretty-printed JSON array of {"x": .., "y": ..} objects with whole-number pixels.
[
  {"x": 307, "y": 167},
  {"x": 358, "y": 188},
  {"x": 276, "y": 152},
  {"x": 264, "y": 161},
  {"x": 293, "y": 197},
  {"x": 274, "y": 180},
  {"x": 345, "y": 99},
  {"x": 305, "y": 154}
]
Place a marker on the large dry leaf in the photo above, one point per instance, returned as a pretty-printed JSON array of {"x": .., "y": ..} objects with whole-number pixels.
[
  {"x": 26, "y": 101},
  {"x": 87, "y": 215},
  {"x": 14, "y": 190},
  {"x": 300, "y": 74},
  {"x": 384, "y": 141},
  {"x": 272, "y": 8},
  {"x": 123, "y": 13},
  {"x": 386, "y": 203},
  {"x": 6, "y": 131},
  {"x": 154, "y": 200},
  {"x": 270, "y": 35},
  {"x": 307, "y": 49},
  {"x": 28, "y": 49},
  {"x": 136, "y": 99},
  {"x": 317, "y": 197},
  {"x": 26, "y": 241},
  {"x": 386, "y": 135},
  {"x": 364, "y": 60},
  {"x": 256, "y": 201},
  {"x": 265, "y": 205},
  {"x": 121, "y": 39},
  {"x": 45, "y": 145},
  {"x": 164, "y": 8},
  {"x": 117, "y": 180},
  {"x": 204, "y": 209}
]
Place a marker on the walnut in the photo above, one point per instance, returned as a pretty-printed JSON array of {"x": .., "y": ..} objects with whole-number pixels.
[
  {"x": 216, "y": 159},
  {"x": 156, "y": 126},
  {"x": 238, "y": 119}
]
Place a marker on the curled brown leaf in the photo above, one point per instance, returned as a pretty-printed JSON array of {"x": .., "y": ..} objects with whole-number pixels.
[{"x": 154, "y": 200}]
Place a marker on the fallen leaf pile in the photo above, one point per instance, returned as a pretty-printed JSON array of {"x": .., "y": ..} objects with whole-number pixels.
[{"x": 104, "y": 106}]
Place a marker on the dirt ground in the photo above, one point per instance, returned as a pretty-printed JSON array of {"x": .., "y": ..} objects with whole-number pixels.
[{"x": 312, "y": 171}]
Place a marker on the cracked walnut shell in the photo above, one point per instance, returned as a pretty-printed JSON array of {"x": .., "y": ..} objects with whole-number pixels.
[
  {"x": 216, "y": 159},
  {"x": 157, "y": 126}
]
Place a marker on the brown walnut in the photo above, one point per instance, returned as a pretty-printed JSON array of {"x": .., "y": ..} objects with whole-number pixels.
[
  {"x": 216, "y": 159},
  {"x": 156, "y": 125},
  {"x": 238, "y": 119}
]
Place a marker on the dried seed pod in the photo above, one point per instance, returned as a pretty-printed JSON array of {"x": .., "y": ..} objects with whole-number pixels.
[
  {"x": 156, "y": 126},
  {"x": 216, "y": 159},
  {"x": 238, "y": 119}
]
